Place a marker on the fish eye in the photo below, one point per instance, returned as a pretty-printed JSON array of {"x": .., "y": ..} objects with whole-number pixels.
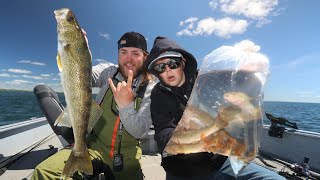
[{"x": 70, "y": 17}]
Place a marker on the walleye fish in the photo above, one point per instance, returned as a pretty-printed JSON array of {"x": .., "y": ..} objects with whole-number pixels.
[
  {"x": 229, "y": 113},
  {"x": 242, "y": 100},
  {"x": 74, "y": 63},
  {"x": 248, "y": 113},
  {"x": 187, "y": 137},
  {"x": 219, "y": 142},
  {"x": 223, "y": 143},
  {"x": 195, "y": 118},
  {"x": 207, "y": 134},
  {"x": 185, "y": 148},
  {"x": 237, "y": 98}
]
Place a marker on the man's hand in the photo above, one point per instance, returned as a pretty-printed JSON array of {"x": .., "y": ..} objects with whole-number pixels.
[{"x": 123, "y": 94}]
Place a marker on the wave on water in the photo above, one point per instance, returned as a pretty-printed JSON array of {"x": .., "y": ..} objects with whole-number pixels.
[{"x": 17, "y": 106}]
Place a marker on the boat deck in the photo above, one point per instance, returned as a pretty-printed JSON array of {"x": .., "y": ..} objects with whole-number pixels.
[{"x": 21, "y": 165}]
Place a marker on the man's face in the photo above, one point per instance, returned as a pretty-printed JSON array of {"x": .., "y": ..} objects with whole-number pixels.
[{"x": 131, "y": 58}]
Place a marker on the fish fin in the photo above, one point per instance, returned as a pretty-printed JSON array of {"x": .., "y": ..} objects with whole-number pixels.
[
  {"x": 77, "y": 161},
  {"x": 63, "y": 119},
  {"x": 59, "y": 62},
  {"x": 95, "y": 114}
]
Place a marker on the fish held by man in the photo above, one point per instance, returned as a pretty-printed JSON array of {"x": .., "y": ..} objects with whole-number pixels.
[{"x": 74, "y": 63}]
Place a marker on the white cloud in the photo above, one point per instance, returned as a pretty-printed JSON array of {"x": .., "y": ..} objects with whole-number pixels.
[
  {"x": 190, "y": 20},
  {"x": 20, "y": 71},
  {"x": 33, "y": 77},
  {"x": 4, "y": 75},
  {"x": 257, "y": 10},
  {"x": 105, "y": 35},
  {"x": 45, "y": 75},
  {"x": 310, "y": 60},
  {"x": 18, "y": 82},
  {"x": 213, "y": 4},
  {"x": 56, "y": 87},
  {"x": 101, "y": 60},
  {"x": 253, "y": 11},
  {"x": 224, "y": 27},
  {"x": 32, "y": 62}
]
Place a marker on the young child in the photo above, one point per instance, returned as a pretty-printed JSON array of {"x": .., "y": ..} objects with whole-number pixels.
[{"x": 177, "y": 70}]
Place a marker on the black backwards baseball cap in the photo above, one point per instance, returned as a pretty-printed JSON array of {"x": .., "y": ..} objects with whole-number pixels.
[{"x": 133, "y": 39}]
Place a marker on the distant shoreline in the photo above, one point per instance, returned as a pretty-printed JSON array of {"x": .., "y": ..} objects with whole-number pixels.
[
  {"x": 15, "y": 90},
  {"x": 20, "y": 90}
]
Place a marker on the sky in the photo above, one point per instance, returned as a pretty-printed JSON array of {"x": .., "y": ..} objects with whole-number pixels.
[{"x": 286, "y": 32}]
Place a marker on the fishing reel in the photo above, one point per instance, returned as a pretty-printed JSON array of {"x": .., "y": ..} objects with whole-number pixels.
[
  {"x": 302, "y": 170},
  {"x": 299, "y": 171}
]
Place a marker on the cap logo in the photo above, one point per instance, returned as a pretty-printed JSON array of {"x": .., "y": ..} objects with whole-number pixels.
[{"x": 123, "y": 41}]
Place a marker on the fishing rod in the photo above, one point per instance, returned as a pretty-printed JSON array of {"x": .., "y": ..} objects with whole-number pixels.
[
  {"x": 7, "y": 162},
  {"x": 299, "y": 170}
]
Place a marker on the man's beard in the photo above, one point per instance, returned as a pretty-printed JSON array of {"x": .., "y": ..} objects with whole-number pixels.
[{"x": 136, "y": 73}]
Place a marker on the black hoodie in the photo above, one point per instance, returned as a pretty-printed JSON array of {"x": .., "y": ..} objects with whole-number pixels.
[{"x": 167, "y": 106}]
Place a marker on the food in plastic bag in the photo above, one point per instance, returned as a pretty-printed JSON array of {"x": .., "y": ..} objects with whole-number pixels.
[{"x": 224, "y": 112}]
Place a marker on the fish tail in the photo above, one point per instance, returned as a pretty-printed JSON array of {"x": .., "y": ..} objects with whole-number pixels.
[{"x": 77, "y": 161}]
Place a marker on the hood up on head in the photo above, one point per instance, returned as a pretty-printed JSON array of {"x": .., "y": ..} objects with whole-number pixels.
[{"x": 160, "y": 46}]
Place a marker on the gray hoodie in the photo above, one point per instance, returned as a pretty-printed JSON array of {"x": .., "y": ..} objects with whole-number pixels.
[{"x": 137, "y": 123}]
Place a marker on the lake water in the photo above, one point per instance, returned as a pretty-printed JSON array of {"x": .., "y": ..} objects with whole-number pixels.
[{"x": 17, "y": 106}]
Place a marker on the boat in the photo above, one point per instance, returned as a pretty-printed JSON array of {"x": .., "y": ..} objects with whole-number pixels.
[{"x": 284, "y": 148}]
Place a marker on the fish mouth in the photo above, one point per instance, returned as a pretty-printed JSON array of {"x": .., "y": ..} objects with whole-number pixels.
[
  {"x": 64, "y": 14},
  {"x": 61, "y": 13}
]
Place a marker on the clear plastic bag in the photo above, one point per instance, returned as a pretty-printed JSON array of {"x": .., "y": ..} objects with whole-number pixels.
[{"x": 224, "y": 111}]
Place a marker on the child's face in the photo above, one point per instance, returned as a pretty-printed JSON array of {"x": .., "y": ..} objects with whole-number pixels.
[{"x": 172, "y": 77}]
